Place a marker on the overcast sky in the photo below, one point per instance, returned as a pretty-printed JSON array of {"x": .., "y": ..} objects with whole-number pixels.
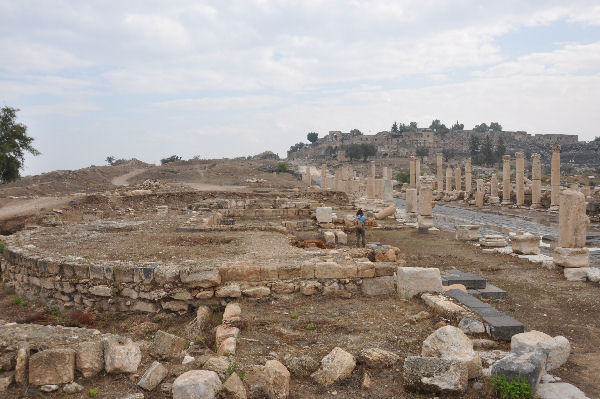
[{"x": 149, "y": 79}]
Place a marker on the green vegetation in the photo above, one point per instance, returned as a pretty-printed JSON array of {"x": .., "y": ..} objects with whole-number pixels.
[
  {"x": 20, "y": 301},
  {"x": 312, "y": 137},
  {"x": 294, "y": 315},
  {"x": 1, "y": 247},
  {"x": 357, "y": 151},
  {"x": 112, "y": 161},
  {"x": 282, "y": 167},
  {"x": 403, "y": 176},
  {"x": 457, "y": 126},
  {"x": 234, "y": 368},
  {"x": 355, "y": 132},
  {"x": 93, "y": 392},
  {"x": 448, "y": 153},
  {"x": 422, "y": 152},
  {"x": 170, "y": 159},
  {"x": 294, "y": 148},
  {"x": 311, "y": 326},
  {"x": 14, "y": 142},
  {"x": 514, "y": 389}
]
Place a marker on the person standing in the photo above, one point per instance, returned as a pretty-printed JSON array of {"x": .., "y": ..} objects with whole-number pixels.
[{"x": 359, "y": 224}]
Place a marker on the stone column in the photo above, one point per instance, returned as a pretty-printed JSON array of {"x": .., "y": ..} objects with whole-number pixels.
[
  {"x": 373, "y": 169},
  {"x": 417, "y": 172},
  {"x": 494, "y": 199},
  {"x": 308, "y": 177},
  {"x": 388, "y": 194},
  {"x": 411, "y": 171},
  {"x": 458, "y": 179},
  {"x": 385, "y": 173},
  {"x": 536, "y": 180},
  {"x": 440, "y": 174},
  {"x": 411, "y": 204},
  {"x": 324, "y": 176},
  {"x": 448, "y": 179},
  {"x": 425, "y": 219},
  {"x": 379, "y": 188},
  {"x": 555, "y": 177},
  {"x": 479, "y": 194},
  {"x": 520, "y": 178},
  {"x": 337, "y": 185},
  {"x": 506, "y": 189},
  {"x": 468, "y": 176},
  {"x": 572, "y": 227}
]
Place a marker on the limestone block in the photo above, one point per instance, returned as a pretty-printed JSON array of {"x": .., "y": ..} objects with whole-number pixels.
[
  {"x": 525, "y": 244},
  {"x": 329, "y": 237},
  {"x": 121, "y": 357},
  {"x": 341, "y": 237},
  {"x": 337, "y": 365},
  {"x": 224, "y": 331},
  {"x": 471, "y": 326},
  {"x": 155, "y": 374},
  {"x": 412, "y": 281},
  {"x": 101, "y": 290},
  {"x": 559, "y": 390},
  {"x": 467, "y": 232},
  {"x": 277, "y": 380},
  {"x": 385, "y": 212},
  {"x": 218, "y": 364},
  {"x": 197, "y": 384},
  {"x": 233, "y": 388},
  {"x": 571, "y": 257},
  {"x": 479, "y": 197},
  {"x": 168, "y": 346},
  {"x": 493, "y": 241},
  {"x": 6, "y": 379},
  {"x": 310, "y": 287},
  {"x": 324, "y": 214},
  {"x": 443, "y": 305},
  {"x": 52, "y": 366},
  {"x": 365, "y": 269},
  {"x": 572, "y": 220},
  {"x": 378, "y": 358},
  {"x": 379, "y": 286},
  {"x": 175, "y": 306},
  {"x": 451, "y": 343},
  {"x": 227, "y": 347},
  {"x": 200, "y": 278},
  {"x": 576, "y": 273},
  {"x": 434, "y": 375},
  {"x": 89, "y": 358},
  {"x": 232, "y": 311},
  {"x": 526, "y": 365},
  {"x": 239, "y": 272},
  {"x": 256, "y": 292},
  {"x": 228, "y": 291},
  {"x": 21, "y": 363},
  {"x": 411, "y": 200},
  {"x": 558, "y": 348},
  {"x": 334, "y": 270},
  {"x": 593, "y": 274}
]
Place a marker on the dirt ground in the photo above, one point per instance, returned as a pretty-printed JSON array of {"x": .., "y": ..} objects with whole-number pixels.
[{"x": 541, "y": 299}]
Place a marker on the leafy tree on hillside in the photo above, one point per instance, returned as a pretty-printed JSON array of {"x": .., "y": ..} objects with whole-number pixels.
[
  {"x": 368, "y": 150},
  {"x": 14, "y": 142},
  {"x": 112, "y": 161},
  {"x": 422, "y": 152},
  {"x": 448, "y": 153},
  {"x": 355, "y": 132},
  {"x": 394, "y": 129},
  {"x": 500, "y": 149},
  {"x": 357, "y": 151},
  {"x": 403, "y": 176},
  {"x": 172, "y": 158},
  {"x": 458, "y": 126},
  {"x": 295, "y": 147},
  {"x": 312, "y": 137},
  {"x": 413, "y": 126},
  {"x": 481, "y": 128},
  {"x": 474, "y": 145},
  {"x": 435, "y": 124},
  {"x": 487, "y": 152},
  {"x": 496, "y": 127}
]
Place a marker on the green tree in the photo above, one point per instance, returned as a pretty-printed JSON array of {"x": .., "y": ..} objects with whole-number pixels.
[
  {"x": 355, "y": 132},
  {"x": 413, "y": 126},
  {"x": 500, "y": 149},
  {"x": 312, "y": 137},
  {"x": 403, "y": 176},
  {"x": 295, "y": 147},
  {"x": 474, "y": 145},
  {"x": 394, "y": 129},
  {"x": 487, "y": 152},
  {"x": 448, "y": 153},
  {"x": 435, "y": 124},
  {"x": 481, "y": 128},
  {"x": 170, "y": 159},
  {"x": 368, "y": 150},
  {"x": 353, "y": 151},
  {"x": 422, "y": 152},
  {"x": 496, "y": 127},
  {"x": 458, "y": 126},
  {"x": 14, "y": 142}
]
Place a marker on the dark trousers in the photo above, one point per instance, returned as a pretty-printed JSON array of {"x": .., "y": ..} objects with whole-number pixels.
[{"x": 360, "y": 232}]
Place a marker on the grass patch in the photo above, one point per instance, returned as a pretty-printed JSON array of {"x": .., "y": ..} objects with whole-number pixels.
[
  {"x": 20, "y": 301},
  {"x": 311, "y": 326},
  {"x": 93, "y": 392},
  {"x": 294, "y": 315}
]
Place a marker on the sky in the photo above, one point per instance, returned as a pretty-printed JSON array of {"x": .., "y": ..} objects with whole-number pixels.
[{"x": 149, "y": 79}]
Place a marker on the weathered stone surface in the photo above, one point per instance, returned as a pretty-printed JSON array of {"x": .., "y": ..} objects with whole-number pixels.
[
  {"x": 277, "y": 380},
  {"x": 471, "y": 326},
  {"x": 467, "y": 232},
  {"x": 52, "y": 366},
  {"x": 89, "y": 358},
  {"x": 228, "y": 291},
  {"x": 302, "y": 366},
  {"x": 341, "y": 237},
  {"x": 6, "y": 379},
  {"x": 571, "y": 257},
  {"x": 155, "y": 374},
  {"x": 572, "y": 220},
  {"x": 234, "y": 388},
  {"x": 256, "y": 292},
  {"x": 197, "y": 384},
  {"x": 227, "y": 347},
  {"x": 101, "y": 290},
  {"x": 195, "y": 327},
  {"x": 365, "y": 269},
  {"x": 239, "y": 272},
  {"x": 558, "y": 348},
  {"x": 385, "y": 212},
  {"x": 49, "y": 388},
  {"x": 218, "y": 364},
  {"x": 121, "y": 357},
  {"x": 21, "y": 363},
  {"x": 324, "y": 214},
  {"x": 337, "y": 365},
  {"x": 493, "y": 241},
  {"x": 593, "y": 274},
  {"x": 329, "y": 237},
  {"x": 559, "y": 390},
  {"x": 443, "y": 305},
  {"x": 72, "y": 388},
  {"x": 576, "y": 273},
  {"x": 200, "y": 278},
  {"x": 379, "y": 286},
  {"x": 412, "y": 281},
  {"x": 430, "y": 374},
  {"x": 449, "y": 342},
  {"x": 310, "y": 287},
  {"x": 525, "y": 244},
  {"x": 224, "y": 331},
  {"x": 378, "y": 358},
  {"x": 233, "y": 311},
  {"x": 528, "y": 366},
  {"x": 168, "y": 346},
  {"x": 175, "y": 306},
  {"x": 334, "y": 270}
]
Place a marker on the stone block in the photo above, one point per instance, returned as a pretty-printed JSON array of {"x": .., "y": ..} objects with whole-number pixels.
[
  {"x": 239, "y": 272},
  {"x": 277, "y": 380},
  {"x": 175, "y": 306},
  {"x": 155, "y": 374},
  {"x": 385, "y": 269},
  {"x": 467, "y": 232},
  {"x": 443, "y": 305},
  {"x": 121, "y": 357},
  {"x": 143, "y": 275},
  {"x": 528, "y": 366},
  {"x": 379, "y": 286},
  {"x": 412, "y": 281},
  {"x": 469, "y": 280},
  {"x": 310, "y": 287},
  {"x": 334, "y": 270},
  {"x": 434, "y": 375},
  {"x": 324, "y": 214},
  {"x": 378, "y": 358},
  {"x": 493, "y": 241},
  {"x": 500, "y": 326},
  {"x": 471, "y": 326},
  {"x": 341, "y": 237},
  {"x": 559, "y": 390},
  {"x": 52, "y": 366},
  {"x": 289, "y": 272},
  {"x": 490, "y": 291},
  {"x": 89, "y": 358},
  {"x": 558, "y": 348},
  {"x": 329, "y": 237},
  {"x": 449, "y": 342},
  {"x": 307, "y": 270},
  {"x": 466, "y": 299},
  {"x": 197, "y": 384},
  {"x": 148, "y": 307},
  {"x": 576, "y": 273},
  {"x": 571, "y": 257},
  {"x": 228, "y": 291},
  {"x": 365, "y": 269},
  {"x": 268, "y": 272},
  {"x": 525, "y": 244},
  {"x": 101, "y": 290},
  {"x": 200, "y": 278},
  {"x": 256, "y": 292},
  {"x": 337, "y": 365},
  {"x": 233, "y": 388},
  {"x": 168, "y": 346}
]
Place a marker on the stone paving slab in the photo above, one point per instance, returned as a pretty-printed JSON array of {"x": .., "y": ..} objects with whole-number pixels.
[
  {"x": 469, "y": 280},
  {"x": 466, "y": 299},
  {"x": 490, "y": 291}
]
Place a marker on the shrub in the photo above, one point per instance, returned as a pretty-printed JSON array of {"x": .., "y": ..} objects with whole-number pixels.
[
  {"x": 514, "y": 389},
  {"x": 1, "y": 247},
  {"x": 93, "y": 392},
  {"x": 282, "y": 167},
  {"x": 20, "y": 301},
  {"x": 83, "y": 318},
  {"x": 170, "y": 159},
  {"x": 311, "y": 326},
  {"x": 294, "y": 315},
  {"x": 403, "y": 176}
]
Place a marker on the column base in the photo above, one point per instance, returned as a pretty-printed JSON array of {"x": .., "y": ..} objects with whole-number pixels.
[
  {"x": 506, "y": 203},
  {"x": 571, "y": 257},
  {"x": 494, "y": 200}
]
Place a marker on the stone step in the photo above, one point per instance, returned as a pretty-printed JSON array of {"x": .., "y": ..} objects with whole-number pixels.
[
  {"x": 490, "y": 291},
  {"x": 469, "y": 280}
]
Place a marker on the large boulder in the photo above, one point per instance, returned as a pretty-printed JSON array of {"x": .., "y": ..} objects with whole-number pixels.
[
  {"x": 451, "y": 343},
  {"x": 52, "y": 366},
  {"x": 337, "y": 365},
  {"x": 121, "y": 356},
  {"x": 412, "y": 281},
  {"x": 559, "y": 390},
  {"x": 528, "y": 366},
  {"x": 197, "y": 384},
  {"x": 153, "y": 376},
  {"x": 430, "y": 374},
  {"x": 378, "y": 358},
  {"x": 558, "y": 348},
  {"x": 234, "y": 388},
  {"x": 277, "y": 380}
]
